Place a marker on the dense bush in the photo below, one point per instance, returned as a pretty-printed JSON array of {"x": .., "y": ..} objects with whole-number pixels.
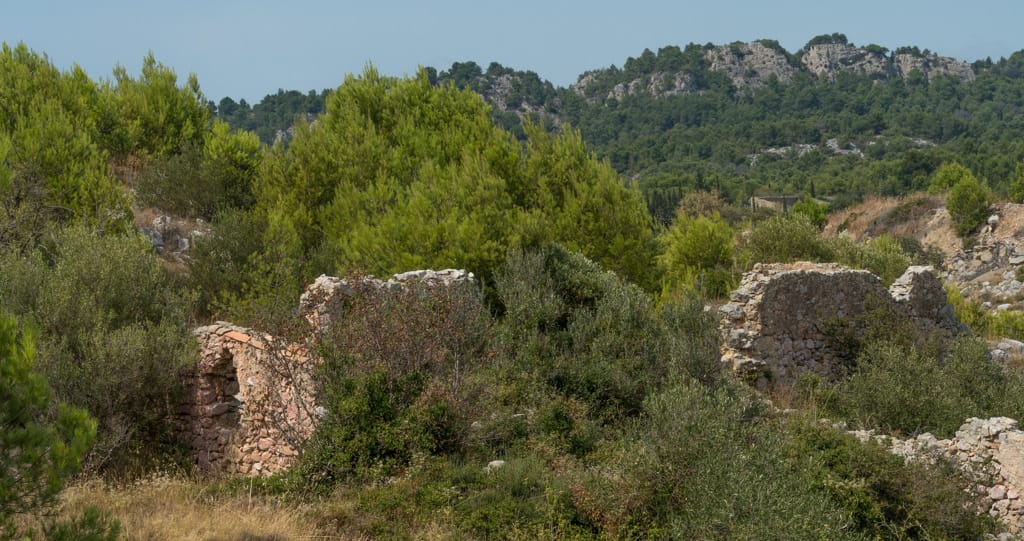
[
  {"x": 592, "y": 336},
  {"x": 202, "y": 180},
  {"x": 783, "y": 239},
  {"x": 397, "y": 379},
  {"x": 433, "y": 183},
  {"x": 113, "y": 332},
  {"x": 702, "y": 465},
  {"x": 42, "y": 442},
  {"x": 884, "y": 497},
  {"x": 902, "y": 388},
  {"x": 789, "y": 238},
  {"x": 968, "y": 204},
  {"x": 697, "y": 256},
  {"x": 883, "y": 256},
  {"x": 948, "y": 175}
]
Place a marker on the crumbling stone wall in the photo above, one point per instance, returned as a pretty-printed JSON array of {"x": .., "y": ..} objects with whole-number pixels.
[
  {"x": 991, "y": 454},
  {"x": 323, "y": 299},
  {"x": 785, "y": 319},
  {"x": 251, "y": 402}
]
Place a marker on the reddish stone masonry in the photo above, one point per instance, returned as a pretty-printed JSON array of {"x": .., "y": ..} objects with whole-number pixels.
[{"x": 249, "y": 402}]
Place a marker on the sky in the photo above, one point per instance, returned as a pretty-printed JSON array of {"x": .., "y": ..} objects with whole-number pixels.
[{"x": 250, "y": 48}]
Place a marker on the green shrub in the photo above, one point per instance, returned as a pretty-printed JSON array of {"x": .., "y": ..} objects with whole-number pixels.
[
  {"x": 1006, "y": 324},
  {"x": 994, "y": 325},
  {"x": 202, "y": 180},
  {"x": 397, "y": 379},
  {"x": 885, "y": 497},
  {"x": 784, "y": 239},
  {"x": 1016, "y": 190},
  {"x": 42, "y": 442},
  {"x": 883, "y": 256},
  {"x": 902, "y": 388},
  {"x": 968, "y": 204},
  {"x": 91, "y": 525},
  {"x": 523, "y": 496},
  {"x": 947, "y": 176},
  {"x": 704, "y": 465},
  {"x": 113, "y": 333},
  {"x": 698, "y": 256},
  {"x": 589, "y": 335},
  {"x": 812, "y": 211}
]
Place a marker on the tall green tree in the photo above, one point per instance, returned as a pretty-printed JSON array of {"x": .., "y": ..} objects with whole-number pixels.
[
  {"x": 402, "y": 174},
  {"x": 51, "y": 167},
  {"x": 160, "y": 116}
]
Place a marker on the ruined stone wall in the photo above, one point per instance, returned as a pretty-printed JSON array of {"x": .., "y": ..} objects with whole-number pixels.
[
  {"x": 250, "y": 401},
  {"x": 991, "y": 454},
  {"x": 323, "y": 299},
  {"x": 785, "y": 319}
]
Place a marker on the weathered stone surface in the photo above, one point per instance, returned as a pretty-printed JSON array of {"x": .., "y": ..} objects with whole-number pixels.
[
  {"x": 246, "y": 396},
  {"x": 324, "y": 296},
  {"x": 931, "y": 66},
  {"x": 990, "y": 452},
  {"x": 785, "y": 319},
  {"x": 750, "y": 64},
  {"x": 829, "y": 59}
]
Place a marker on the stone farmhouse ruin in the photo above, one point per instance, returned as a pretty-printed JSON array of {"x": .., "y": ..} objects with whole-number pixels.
[
  {"x": 250, "y": 402},
  {"x": 787, "y": 319}
]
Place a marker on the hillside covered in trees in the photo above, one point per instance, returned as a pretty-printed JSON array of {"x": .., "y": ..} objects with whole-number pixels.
[
  {"x": 578, "y": 391},
  {"x": 832, "y": 120}
]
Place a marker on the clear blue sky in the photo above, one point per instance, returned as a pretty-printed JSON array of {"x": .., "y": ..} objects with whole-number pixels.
[{"x": 249, "y": 48}]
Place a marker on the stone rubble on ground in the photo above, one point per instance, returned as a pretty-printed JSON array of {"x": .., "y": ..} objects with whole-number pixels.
[{"x": 989, "y": 451}]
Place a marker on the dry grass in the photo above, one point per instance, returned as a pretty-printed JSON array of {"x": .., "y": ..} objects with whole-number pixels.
[
  {"x": 167, "y": 508},
  {"x": 919, "y": 216}
]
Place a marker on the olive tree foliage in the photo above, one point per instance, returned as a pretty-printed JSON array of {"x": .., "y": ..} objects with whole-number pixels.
[
  {"x": 113, "y": 332},
  {"x": 401, "y": 174},
  {"x": 41, "y": 442}
]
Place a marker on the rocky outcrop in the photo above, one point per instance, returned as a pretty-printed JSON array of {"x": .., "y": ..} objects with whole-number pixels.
[
  {"x": 251, "y": 399},
  {"x": 786, "y": 319},
  {"x": 656, "y": 84},
  {"x": 826, "y": 61},
  {"x": 931, "y": 66},
  {"x": 750, "y": 65},
  {"x": 990, "y": 452}
]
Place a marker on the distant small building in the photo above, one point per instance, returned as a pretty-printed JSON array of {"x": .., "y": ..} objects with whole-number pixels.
[{"x": 778, "y": 203}]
